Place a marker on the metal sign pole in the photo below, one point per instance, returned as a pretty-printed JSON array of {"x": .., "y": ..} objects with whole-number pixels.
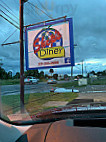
[{"x": 71, "y": 72}]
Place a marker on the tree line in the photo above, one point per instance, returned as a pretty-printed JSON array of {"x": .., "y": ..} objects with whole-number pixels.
[
  {"x": 34, "y": 73},
  {"x": 99, "y": 73},
  {"x": 8, "y": 75}
]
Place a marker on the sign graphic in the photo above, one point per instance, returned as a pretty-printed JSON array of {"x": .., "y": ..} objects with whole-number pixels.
[{"x": 49, "y": 45}]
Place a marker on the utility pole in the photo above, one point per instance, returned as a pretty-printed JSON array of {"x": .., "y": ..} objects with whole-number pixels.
[
  {"x": 71, "y": 72},
  {"x": 72, "y": 66},
  {"x": 85, "y": 70},
  {"x": 21, "y": 56},
  {"x": 82, "y": 67},
  {"x": 1, "y": 110}
]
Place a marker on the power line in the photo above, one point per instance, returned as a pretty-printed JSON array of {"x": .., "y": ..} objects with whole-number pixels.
[
  {"x": 11, "y": 43},
  {"x": 31, "y": 12},
  {"x": 6, "y": 5},
  {"x": 40, "y": 10},
  {"x": 9, "y": 17},
  {"x": 44, "y": 7},
  {"x": 9, "y": 36},
  {"x": 9, "y": 11},
  {"x": 36, "y": 12},
  {"x": 46, "y": 21},
  {"x": 9, "y": 21}
]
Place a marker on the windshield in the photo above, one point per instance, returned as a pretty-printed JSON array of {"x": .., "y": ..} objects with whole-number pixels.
[{"x": 52, "y": 58}]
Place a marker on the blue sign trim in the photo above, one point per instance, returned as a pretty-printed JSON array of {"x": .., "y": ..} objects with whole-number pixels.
[
  {"x": 71, "y": 42},
  {"x": 71, "y": 60},
  {"x": 26, "y": 48}
]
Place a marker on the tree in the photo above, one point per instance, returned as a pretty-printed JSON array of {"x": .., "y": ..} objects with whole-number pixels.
[
  {"x": 93, "y": 72},
  {"x": 99, "y": 73},
  {"x": 17, "y": 75},
  {"x": 34, "y": 73},
  {"x": 3, "y": 74},
  {"x": 65, "y": 76},
  {"x": 104, "y": 73},
  {"x": 80, "y": 76},
  {"x": 9, "y": 75},
  {"x": 46, "y": 76},
  {"x": 41, "y": 75},
  {"x": 55, "y": 76},
  {"x": 51, "y": 71}
]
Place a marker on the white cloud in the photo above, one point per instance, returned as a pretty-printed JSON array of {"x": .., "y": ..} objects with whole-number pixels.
[
  {"x": 104, "y": 64},
  {"x": 93, "y": 61}
]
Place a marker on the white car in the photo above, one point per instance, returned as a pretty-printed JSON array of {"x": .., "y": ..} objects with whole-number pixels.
[
  {"x": 30, "y": 80},
  {"x": 51, "y": 81}
]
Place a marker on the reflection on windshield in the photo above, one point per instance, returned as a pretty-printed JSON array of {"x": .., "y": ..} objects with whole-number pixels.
[{"x": 65, "y": 60}]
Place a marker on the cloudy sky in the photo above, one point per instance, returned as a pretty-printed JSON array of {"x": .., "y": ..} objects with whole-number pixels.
[{"x": 89, "y": 22}]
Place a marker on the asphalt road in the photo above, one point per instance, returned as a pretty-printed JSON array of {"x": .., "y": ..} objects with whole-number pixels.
[
  {"x": 34, "y": 88},
  {"x": 44, "y": 87}
]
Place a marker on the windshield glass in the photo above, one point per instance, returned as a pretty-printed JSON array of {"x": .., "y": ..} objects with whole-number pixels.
[{"x": 52, "y": 57}]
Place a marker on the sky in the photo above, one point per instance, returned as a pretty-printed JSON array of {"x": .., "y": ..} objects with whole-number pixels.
[{"x": 89, "y": 26}]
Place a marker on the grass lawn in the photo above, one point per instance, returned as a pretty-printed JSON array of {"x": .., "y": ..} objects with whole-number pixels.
[
  {"x": 97, "y": 82},
  {"x": 75, "y": 83},
  {"x": 34, "y": 102},
  {"x": 67, "y": 84},
  {"x": 10, "y": 82}
]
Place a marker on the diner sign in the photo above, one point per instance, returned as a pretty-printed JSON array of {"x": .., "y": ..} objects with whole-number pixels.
[{"x": 49, "y": 45}]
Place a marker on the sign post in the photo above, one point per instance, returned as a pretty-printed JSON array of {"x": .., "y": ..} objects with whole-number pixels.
[{"x": 21, "y": 56}]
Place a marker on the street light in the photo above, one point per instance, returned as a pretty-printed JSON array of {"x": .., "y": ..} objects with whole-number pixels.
[{"x": 82, "y": 66}]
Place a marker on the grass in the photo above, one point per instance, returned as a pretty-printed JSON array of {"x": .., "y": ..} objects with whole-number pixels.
[
  {"x": 97, "y": 82},
  {"x": 34, "y": 102},
  {"x": 15, "y": 81},
  {"x": 67, "y": 84},
  {"x": 75, "y": 83},
  {"x": 10, "y": 82}
]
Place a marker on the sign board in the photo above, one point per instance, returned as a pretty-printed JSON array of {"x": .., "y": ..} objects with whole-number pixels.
[
  {"x": 49, "y": 45},
  {"x": 82, "y": 82}
]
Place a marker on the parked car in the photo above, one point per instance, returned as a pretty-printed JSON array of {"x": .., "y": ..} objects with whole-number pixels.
[
  {"x": 76, "y": 79},
  {"x": 51, "y": 81},
  {"x": 30, "y": 80}
]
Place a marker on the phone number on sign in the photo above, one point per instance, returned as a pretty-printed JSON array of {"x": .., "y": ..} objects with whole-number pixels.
[{"x": 48, "y": 63}]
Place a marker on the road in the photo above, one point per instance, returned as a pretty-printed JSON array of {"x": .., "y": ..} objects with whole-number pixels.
[
  {"x": 44, "y": 87},
  {"x": 34, "y": 88}
]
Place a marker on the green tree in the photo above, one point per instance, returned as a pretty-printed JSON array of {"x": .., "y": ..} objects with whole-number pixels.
[
  {"x": 34, "y": 73},
  {"x": 55, "y": 76},
  {"x": 3, "y": 74},
  {"x": 93, "y": 72},
  {"x": 41, "y": 75},
  {"x": 16, "y": 76},
  {"x": 46, "y": 76},
  {"x": 51, "y": 71},
  {"x": 104, "y": 73},
  {"x": 65, "y": 76},
  {"x": 9, "y": 75}
]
